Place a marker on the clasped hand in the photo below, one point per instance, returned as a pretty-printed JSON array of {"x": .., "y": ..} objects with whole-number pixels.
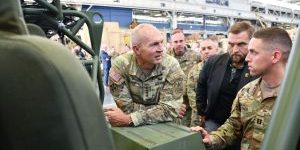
[{"x": 117, "y": 117}]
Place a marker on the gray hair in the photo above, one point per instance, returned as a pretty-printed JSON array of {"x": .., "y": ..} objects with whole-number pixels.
[{"x": 215, "y": 42}]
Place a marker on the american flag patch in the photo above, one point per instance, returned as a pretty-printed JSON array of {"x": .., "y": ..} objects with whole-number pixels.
[{"x": 114, "y": 75}]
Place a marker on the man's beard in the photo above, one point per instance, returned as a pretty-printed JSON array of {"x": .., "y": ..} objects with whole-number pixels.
[{"x": 235, "y": 58}]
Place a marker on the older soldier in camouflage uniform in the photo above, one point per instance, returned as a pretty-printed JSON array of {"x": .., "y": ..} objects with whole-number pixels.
[
  {"x": 146, "y": 84},
  {"x": 187, "y": 58},
  {"x": 251, "y": 111},
  {"x": 208, "y": 48}
]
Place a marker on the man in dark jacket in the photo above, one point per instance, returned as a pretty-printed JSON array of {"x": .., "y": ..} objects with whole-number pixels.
[{"x": 222, "y": 77}]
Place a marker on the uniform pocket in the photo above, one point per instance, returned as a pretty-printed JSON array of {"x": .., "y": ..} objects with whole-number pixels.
[
  {"x": 262, "y": 120},
  {"x": 136, "y": 91}
]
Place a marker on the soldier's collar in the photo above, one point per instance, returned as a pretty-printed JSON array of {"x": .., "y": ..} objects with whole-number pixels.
[
  {"x": 134, "y": 68},
  {"x": 157, "y": 70},
  {"x": 268, "y": 92},
  {"x": 182, "y": 57}
]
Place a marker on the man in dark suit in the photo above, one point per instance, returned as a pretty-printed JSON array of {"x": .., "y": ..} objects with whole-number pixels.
[{"x": 222, "y": 77}]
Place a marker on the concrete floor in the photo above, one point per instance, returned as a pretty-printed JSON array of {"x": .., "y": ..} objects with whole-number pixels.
[{"x": 108, "y": 99}]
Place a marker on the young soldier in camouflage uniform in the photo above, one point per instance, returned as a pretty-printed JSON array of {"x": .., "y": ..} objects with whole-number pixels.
[
  {"x": 146, "y": 84},
  {"x": 208, "y": 48},
  {"x": 187, "y": 58},
  {"x": 252, "y": 108}
]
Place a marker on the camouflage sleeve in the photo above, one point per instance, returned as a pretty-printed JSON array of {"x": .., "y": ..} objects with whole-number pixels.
[
  {"x": 121, "y": 93},
  {"x": 199, "y": 59},
  {"x": 169, "y": 102},
  {"x": 231, "y": 129},
  {"x": 119, "y": 90},
  {"x": 191, "y": 93},
  {"x": 118, "y": 87},
  {"x": 201, "y": 89}
]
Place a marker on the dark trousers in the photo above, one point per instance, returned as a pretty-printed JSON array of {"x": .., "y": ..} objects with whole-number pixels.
[{"x": 106, "y": 68}]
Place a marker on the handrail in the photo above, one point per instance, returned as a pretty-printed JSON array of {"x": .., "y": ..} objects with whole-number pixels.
[{"x": 54, "y": 15}]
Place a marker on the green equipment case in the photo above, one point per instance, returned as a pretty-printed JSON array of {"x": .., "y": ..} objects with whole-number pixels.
[{"x": 163, "y": 136}]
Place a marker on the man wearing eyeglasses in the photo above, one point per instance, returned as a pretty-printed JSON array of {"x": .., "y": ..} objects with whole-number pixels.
[{"x": 221, "y": 78}]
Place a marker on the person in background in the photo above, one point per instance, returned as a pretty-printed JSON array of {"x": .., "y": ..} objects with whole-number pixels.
[
  {"x": 146, "y": 84},
  {"x": 79, "y": 52},
  {"x": 187, "y": 58},
  {"x": 251, "y": 112},
  {"x": 207, "y": 48},
  {"x": 106, "y": 61}
]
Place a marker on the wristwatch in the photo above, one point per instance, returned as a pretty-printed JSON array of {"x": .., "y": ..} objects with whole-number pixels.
[{"x": 131, "y": 124}]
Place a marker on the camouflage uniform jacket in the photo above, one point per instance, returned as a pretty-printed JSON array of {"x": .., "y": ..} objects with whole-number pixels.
[
  {"x": 187, "y": 60},
  {"x": 148, "y": 99},
  {"x": 193, "y": 77},
  {"x": 250, "y": 115}
]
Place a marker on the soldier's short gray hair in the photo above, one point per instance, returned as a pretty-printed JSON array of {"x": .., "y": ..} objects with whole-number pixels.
[
  {"x": 138, "y": 32},
  {"x": 215, "y": 42}
]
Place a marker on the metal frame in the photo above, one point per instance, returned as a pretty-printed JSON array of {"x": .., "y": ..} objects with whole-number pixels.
[{"x": 55, "y": 14}]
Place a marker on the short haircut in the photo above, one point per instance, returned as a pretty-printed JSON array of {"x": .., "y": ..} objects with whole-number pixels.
[
  {"x": 177, "y": 30},
  {"x": 138, "y": 32},
  {"x": 275, "y": 38},
  {"x": 214, "y": 41},
  {"x": 242, "y": 26}
]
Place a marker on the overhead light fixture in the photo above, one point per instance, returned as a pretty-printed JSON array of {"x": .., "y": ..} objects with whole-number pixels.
[{"x": 157, "y": 15}]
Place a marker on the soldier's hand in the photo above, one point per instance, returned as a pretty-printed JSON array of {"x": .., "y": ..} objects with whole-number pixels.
[
  {"x": 117, "y": 117},
  {"x": 205, "y": 136},
  {"x": 182, "y": 110}
]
